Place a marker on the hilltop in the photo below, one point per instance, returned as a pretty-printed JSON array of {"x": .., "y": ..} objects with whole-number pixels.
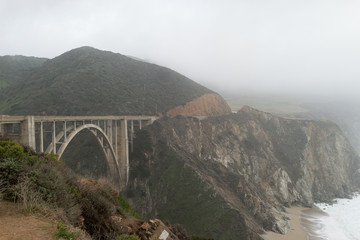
[{"x": 88, "y": 81}]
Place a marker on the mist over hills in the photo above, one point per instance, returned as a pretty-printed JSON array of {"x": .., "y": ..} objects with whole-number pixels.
[
  {"x": 88, "y": 81},
  {"x": 345, "y": 112},
  {"x": 17, "y": 68}
]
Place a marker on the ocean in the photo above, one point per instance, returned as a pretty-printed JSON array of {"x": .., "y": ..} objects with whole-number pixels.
[{"x": 341, "y": 220}]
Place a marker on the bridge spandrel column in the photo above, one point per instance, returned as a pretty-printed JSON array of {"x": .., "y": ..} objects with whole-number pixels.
[
  {"x": 109, "y": 132},
  {"x": 132, "y": 135},
  {"x": 41, "y": 136},
  {"x": 27, "y": 132},
  {"x": 123, "y": 150},
  {"x": 114, "y": 135}
]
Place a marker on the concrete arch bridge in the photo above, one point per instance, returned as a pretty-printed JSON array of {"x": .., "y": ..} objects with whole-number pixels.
[{"x": 52, "y": 134}]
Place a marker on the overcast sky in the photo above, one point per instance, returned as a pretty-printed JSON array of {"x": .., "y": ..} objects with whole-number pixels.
[{"x": 305, "y": 46}]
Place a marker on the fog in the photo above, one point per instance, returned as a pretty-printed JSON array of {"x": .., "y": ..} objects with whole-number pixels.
[{"x": 280, "y": 46}]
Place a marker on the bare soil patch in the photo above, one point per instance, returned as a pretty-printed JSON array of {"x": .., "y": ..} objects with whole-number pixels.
[{"x": 16, "y": 225}]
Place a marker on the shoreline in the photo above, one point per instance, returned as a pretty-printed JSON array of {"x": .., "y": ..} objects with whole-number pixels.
[
  {"x": 304, "y": 225},
  {"x": 310, "y": 222}
]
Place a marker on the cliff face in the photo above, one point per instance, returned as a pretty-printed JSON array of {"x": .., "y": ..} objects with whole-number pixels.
[
  {"x": 251, "y": 162},
  {"x": 210, "y": 104}
]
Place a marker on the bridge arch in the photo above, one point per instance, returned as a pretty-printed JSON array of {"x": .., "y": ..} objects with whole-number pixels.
[{"x": 101, "y": 136}]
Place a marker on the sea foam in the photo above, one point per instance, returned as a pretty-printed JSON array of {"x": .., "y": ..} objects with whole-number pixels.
[{"x": 342, "y": 221}]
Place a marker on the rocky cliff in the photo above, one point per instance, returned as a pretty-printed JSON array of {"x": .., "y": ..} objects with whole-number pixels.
[
  {"x": 232, "y": 175},
  {"x": 210, "y": 104}
]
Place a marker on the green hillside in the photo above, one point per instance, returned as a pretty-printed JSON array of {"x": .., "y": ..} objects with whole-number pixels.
[
  {"x": 87, "y": 81},
  {"x": 14, "y": 69}
]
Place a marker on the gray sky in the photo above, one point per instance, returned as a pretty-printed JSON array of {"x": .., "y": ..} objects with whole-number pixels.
[{"x": 305, "y": 46}]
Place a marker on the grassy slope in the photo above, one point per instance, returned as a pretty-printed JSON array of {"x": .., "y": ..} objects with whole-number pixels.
[
  {"x": 87, "y": 81},
  {"x": 44, "y": 185},
  {"x": 14, "y": 69}
]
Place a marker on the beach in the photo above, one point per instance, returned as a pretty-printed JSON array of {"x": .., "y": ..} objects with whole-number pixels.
[
  {"x": 339, "y": 220},
  {"x": 303, "y": 225},
  {"x": 296, "y": 231}
]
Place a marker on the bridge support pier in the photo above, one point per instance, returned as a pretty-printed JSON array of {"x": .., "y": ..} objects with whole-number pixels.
[
  {"x": 27, "y": 132},
  {"x": 123, "y": 154},
  {"x": 2, "y": 130}
]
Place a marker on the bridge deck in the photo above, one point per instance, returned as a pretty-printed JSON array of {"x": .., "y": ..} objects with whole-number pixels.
[{"x": 17, "y": 119}]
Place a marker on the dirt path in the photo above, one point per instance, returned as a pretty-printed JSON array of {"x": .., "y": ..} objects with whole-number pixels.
[{"x": 15, "y": 225}]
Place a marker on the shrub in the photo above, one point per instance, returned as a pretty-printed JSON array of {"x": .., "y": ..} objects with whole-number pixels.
[
  {"x": 75, "y": 191},
  {"x": 126, "y": 208},
  {"x": 27, "y": 194},
  {"x": 97, "y": 210},
  {"x": 11, "y": 149},
  {"x": 10, "y": 172},
  {"x": 63, "y": 232},
  {"x": 127, "y": 237}
]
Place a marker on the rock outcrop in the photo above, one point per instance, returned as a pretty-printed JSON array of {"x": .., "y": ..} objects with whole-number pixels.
[
  {"x": 210, "y": 104},
  {"x": 242, "y": 169}
]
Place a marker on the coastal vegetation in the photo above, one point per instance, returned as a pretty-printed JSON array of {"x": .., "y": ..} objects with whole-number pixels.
[
  {"x": 82, "y": 208},
  {"x": 43, "y": 185},
  {"x": 15, "y": 69},
  {"x": 87, "y": 81}
]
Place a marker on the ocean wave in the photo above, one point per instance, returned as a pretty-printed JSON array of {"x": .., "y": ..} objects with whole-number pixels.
[{"x": 342, "y": 220}]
